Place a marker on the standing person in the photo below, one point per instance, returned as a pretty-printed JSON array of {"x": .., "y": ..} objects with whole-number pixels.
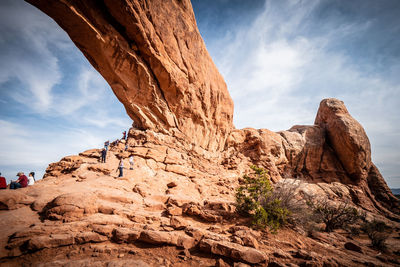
[
  {"x": 21, "y": 182},
  {"x": 103, "y": 155},
  {"x": 121, "y": 168},
  {"x": 123, "y": 135},
  {"x": 3, "y": 183},
  {"x": 131, "y": 162},
  {"x": 106, "y": 144},
  {"x": 31, "y": 178}
]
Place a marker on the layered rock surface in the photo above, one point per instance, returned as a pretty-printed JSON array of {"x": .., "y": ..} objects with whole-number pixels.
[
  {"x": 152, "y": 55},
  {"x": 176, "y": 206}
]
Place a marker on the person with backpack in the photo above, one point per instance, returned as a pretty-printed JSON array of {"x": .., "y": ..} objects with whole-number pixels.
[{"x": 21, "y": 182}]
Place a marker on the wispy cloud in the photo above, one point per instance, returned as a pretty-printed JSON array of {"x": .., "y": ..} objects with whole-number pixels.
[
  {"x": 282, "y": 65},
  {"x": 33, "y": 66},
  {"x": 64, "y": 105}
]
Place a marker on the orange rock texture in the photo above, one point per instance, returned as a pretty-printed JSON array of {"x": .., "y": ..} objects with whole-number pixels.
[
  {"x": 176, "y": 206},
  {"x": 152, "y": 55}
]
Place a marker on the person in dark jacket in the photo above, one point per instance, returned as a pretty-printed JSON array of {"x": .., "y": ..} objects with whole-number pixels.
[
  {"x": 103, "y": 155},
  {"x": 21, "y": 182}
]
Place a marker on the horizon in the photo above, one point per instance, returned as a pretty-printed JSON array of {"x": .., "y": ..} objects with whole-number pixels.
[{"x": 278, "y": 66}]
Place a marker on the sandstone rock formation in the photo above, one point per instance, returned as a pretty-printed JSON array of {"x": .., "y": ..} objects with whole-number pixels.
[
  {"x": 176, "y": 207},
  {"x": 152, "y": 55},
  {"x": 346, "y": 136}
]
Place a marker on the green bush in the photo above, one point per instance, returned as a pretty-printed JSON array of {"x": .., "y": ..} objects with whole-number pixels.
[{"x": 255, "y": 198}]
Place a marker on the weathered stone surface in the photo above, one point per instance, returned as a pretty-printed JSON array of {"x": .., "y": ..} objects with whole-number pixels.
[
  {"x": 64, "y": 166},
  {"x": 57, "y": 240},
  {"x": 178, "y": 223},
  {"x": 174, "y": 210},
  {"x": 156, "y": 237},
  {"x": 232, "y": 250},
  {"x": 155, "y": 60},
  {"x": 126, "y": 235},
  {"x": 71, "y": 206},
  {"x": 13, "y": 199},
  {"x": 153, "y": 57},
  {"x": 346, "y": 136}
]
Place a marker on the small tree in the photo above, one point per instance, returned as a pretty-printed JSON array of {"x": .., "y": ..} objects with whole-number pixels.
[
  {"x": 333, "y": 215},
  {"x": 255, "y": 198}
]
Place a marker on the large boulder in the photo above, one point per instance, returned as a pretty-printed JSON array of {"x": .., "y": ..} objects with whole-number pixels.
[
  {"x": 152, "y": 55},
  {"x": 14, "y": 199},
  {"x": 346, "y": 136}
]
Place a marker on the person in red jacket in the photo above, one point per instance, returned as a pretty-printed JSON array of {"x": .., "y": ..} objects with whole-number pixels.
[
  {"x": 21, "y": 182},
  {"x": 3, "y": 183}
]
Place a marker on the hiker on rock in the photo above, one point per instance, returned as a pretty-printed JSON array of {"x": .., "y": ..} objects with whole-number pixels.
[
  {"x": 31, "y": 178},
  {"x": 3, "y": 183},
  {"x": 21, "y": 182},
  {"x": 103, "y": 155},
  {"x": 123, "y": 135},
  {"x": 131, "y": 162},
  {"x": 121, "y": 168}
]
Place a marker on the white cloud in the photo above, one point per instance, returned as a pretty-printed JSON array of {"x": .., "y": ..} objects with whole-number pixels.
[
  {"x": 90, "y": 87},
  {"x": 68, "y": 107},
  {"x": 29, "y": 149},
  {"x": 278, "y": 70},
  {"x": 24, "y": 40}
]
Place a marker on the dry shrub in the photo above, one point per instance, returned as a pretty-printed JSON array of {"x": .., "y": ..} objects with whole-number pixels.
[{"x": 333, "y": 215}]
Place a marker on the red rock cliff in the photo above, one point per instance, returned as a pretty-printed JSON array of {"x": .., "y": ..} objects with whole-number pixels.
[{"x": 152, "y": 55}]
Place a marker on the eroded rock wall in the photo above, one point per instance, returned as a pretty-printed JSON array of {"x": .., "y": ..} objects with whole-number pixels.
[
  {"x": 152, "y": 55},
  {"x": 188, "y": 156}
]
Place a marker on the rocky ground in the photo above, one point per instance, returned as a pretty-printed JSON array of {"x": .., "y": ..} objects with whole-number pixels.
[{"x": 175, "y": 208}]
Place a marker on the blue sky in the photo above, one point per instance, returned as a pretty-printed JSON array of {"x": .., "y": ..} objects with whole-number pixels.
[{"x": 279, "y": 59}]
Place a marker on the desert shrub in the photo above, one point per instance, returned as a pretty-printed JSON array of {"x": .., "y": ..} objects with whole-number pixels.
[
  {"x": 255, "y": 197},
  {"x": 377, "y": 232},
  {"x": 286, "y": 191},
  {"x": 334, "y": 216}
]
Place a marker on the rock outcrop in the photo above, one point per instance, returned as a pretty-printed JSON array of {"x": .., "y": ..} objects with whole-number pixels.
[
  {"x": 152, "y": 55},
  {"x": 177, "y": 205},
  {"x": 347, "y": 137}
]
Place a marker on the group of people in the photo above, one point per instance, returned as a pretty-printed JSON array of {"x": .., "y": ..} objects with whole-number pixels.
[
  {"x": 24, "y": 181},
  {"x": 21, "y": 182},
  {"x": 107, "y": 145},
  {"x": 121, "y": 162}
]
